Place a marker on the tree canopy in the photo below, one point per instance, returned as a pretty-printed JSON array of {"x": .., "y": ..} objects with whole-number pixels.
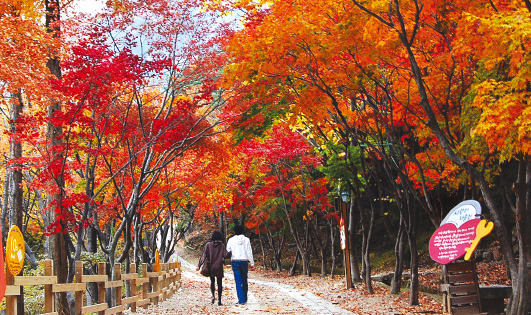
[{"x": 126, "y": 128}]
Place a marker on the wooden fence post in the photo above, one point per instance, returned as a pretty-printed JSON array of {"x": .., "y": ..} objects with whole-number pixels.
[
  {"x": 118, "y": 290},
  {"x": 48, "y": 294},
  {"x": 101, "y": 285},
  {"x": 156, "y": 288},
  {"x": 11, "y": 301},
  {"x": 78, "y": 295},
  {"x": 132, "y": 283},
  {"x": 175, "y": 276},
  {"x": 178, "y": 274},
  {"x": 145, "y": 285},
  {"x": 170, "y": 280},
  {"x": 164, "y": 284}
]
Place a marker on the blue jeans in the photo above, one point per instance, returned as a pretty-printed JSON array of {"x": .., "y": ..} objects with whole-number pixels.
[{"x": 241, "y": 269}]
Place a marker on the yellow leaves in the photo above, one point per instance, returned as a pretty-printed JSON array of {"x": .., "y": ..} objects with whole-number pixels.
[
  {"x": 505, "y": 117},
  {"x": 27, "y": 9},
  {"x": 502, "y": 42}
]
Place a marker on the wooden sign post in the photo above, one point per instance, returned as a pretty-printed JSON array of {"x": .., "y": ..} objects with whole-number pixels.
[
  {"x": 15, "y": 251},
  {"x": 2, "y": 268}
]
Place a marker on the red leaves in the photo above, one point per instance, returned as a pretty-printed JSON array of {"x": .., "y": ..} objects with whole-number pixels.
[
  {"x": 280, "y": 164},
  {"x": 280, "y": 144}
]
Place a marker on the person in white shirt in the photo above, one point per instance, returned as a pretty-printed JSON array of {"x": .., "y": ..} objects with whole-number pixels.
[{"x": 241, "y": 256}]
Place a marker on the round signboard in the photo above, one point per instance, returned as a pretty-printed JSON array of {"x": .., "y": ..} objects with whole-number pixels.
[
  {"x": 463, "y": 212},
  {"x": 15, "y": 249},
  {"x": 450, "y": 242}
]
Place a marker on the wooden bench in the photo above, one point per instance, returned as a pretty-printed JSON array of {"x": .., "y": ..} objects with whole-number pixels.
[{"x": 493, "y": 298}]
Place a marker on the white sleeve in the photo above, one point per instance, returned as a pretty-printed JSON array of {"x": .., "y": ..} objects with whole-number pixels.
[
  {"x": 229, "y": 246},
  {"x": 249, "y": 251}
]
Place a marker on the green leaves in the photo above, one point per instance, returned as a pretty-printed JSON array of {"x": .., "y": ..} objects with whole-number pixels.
[{"x": 343, "y": 164}]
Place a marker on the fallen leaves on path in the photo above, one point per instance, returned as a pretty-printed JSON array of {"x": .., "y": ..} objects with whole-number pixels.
[
  {"x": 357, "y": 300},
  {"x": 194, "y": 296}
]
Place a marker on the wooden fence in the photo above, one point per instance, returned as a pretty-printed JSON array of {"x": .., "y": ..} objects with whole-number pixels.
[{"x": 149, "y": 288}]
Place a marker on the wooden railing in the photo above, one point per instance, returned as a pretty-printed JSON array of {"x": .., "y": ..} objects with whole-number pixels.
[{"x": 155, "y": 287}]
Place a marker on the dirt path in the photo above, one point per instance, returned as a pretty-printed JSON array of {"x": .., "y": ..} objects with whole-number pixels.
[
  {"x": 271, "y": 293},
  {"x": 264, "y": 297}
]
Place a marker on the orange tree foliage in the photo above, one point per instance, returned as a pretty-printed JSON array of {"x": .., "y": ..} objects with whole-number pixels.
[
  {"x": 443, "y": 77},
  {"x": 339, "y": 79},
  {"x": 338, "y": 67}
]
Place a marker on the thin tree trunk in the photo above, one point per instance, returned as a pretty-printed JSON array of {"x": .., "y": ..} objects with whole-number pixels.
[
  {"x": 366, "y": 251},
  {"x": 294, "y": 266},
  {"x": 354, "y": 265},
  {"x": 306, "y": 270},
  {"x": 400, "y": 250},
  {"x": 414, "y": 262},
  {"x": 277, "y": 249},
  {"x": 332, "y": 247},
  {"x": 520, "y": 302},
  {"x": 263, "y": 250},
  {"x": 15, "y": 208},
  {"x": 324, "y": 256}
]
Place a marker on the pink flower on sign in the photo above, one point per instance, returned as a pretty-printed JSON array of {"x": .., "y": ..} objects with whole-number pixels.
[{"x": 450, "y": 242}]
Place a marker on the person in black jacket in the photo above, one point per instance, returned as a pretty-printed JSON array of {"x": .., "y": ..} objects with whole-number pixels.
[{"x": 213, "y": 254}]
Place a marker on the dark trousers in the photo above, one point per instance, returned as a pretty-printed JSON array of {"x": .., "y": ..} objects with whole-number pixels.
[
  {"x": 241, "y": 269},
  {"x": 213, "y": 286}
]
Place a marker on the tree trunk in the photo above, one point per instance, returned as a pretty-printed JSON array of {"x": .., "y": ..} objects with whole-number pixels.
[
  {"x": 15, "y": 209},
  {"x": 57, "y": 245},
  {"x": 332, "y": 247},
  {"x": 521, "y": 299},
  {"x": 414, "y": 296},
  {"x": 294, "y": 266},
  {"x": 264, "y": 262},
  {"x": 324, "y": 256},
  {"x": 414, "y": 263},
  {"x": 300, "y": 248},
  {"x": 277, "y": 249},
  {"x": 400, "y": 251},
  {"x": 366, "y": 246},
  {"x": 354, "y": 266},
  {"x": 306, "y": 269}
]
